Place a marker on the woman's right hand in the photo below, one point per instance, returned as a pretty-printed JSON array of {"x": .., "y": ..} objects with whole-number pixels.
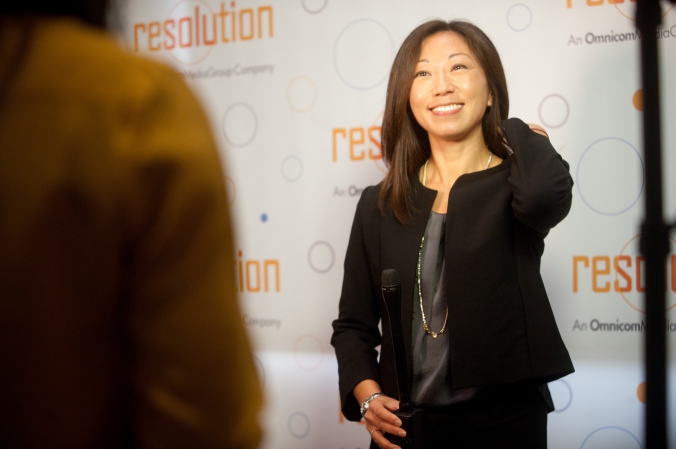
[{"x": 379, "y": 419}]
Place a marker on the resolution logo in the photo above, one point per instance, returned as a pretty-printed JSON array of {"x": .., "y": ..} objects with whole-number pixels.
[
  {"x": 569, "y": 3},
  {"x": 193, "y": 28},
  {"x": 357, "y": 143},
  {"x": 623, "y": 273},
  {"x": 625, "y": 7},
  {"x": 254, "y": 276}
]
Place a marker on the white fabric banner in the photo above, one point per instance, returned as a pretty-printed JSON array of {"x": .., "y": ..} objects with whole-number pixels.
[{"x": 295, "y": 92}]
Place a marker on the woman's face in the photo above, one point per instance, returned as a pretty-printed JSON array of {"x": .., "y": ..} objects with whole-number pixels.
[{"x": 450, "y": 94}]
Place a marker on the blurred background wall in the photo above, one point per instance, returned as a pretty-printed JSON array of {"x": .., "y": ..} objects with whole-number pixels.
[{"x": 295, "y": 93}]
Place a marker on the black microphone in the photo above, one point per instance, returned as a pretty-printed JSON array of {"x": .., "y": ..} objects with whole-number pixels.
[{"x": 411, "y": 418}]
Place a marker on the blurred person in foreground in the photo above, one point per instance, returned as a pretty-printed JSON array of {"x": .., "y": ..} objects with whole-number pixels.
[
  {"x": 119, "y": 325},
  {"x": 462, "y": 215}
]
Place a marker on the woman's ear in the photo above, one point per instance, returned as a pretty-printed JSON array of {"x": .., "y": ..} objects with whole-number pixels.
[{"x": 490, "y": 99}]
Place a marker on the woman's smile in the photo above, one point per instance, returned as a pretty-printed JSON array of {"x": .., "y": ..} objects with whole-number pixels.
[
  {"x": 446, "y": 108},
  {"x": 449, "y": 94}
]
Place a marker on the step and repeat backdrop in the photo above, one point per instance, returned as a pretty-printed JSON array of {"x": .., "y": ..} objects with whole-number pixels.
[{"x": 295, "y": 93}]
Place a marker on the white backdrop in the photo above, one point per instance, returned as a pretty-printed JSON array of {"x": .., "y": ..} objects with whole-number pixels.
[{"x": 295, "y": 92}]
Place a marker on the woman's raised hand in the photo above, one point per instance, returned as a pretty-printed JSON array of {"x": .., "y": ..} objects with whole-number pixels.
[
  {"x": 379, "y": 419},
  {"x": 538, "y": 129}
]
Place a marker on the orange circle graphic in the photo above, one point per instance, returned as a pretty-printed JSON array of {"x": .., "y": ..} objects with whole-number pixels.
[
  {"x": 637, "y": 100},
  {"x": 640, "y": 392},
  {"x": 633, "y": 19},
  {"x": 288, "y": 94}
]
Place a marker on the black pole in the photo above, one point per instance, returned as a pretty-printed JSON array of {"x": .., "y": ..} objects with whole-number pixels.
[{"x": 655, "y": 234}]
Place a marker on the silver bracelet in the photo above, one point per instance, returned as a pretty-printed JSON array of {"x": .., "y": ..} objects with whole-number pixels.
[{"x": 365, "y": 405}]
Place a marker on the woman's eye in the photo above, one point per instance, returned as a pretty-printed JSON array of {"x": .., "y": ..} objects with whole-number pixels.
[
  {"x": 422, "y": 73},
  {"x": 459, "y": 67}
]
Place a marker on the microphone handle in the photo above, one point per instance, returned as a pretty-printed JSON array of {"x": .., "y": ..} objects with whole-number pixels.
[
  {"x": 412, "y": 420},
  {"x": 392, "y": 298}
]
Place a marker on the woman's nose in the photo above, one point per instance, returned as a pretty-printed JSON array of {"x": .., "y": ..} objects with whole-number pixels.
[{"x": 443, "y": 85}]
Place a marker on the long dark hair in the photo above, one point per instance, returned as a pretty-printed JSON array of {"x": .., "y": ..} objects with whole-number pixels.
[
  {"x": 92, "y": 12},
  {"x": 405, "y": 144}
]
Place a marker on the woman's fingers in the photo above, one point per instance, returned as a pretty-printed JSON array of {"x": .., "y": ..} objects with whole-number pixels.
[
  {"x": 382, "y": 442},
  {"x": 380, "y": 418},
  {"x": 538, "y": 129}
]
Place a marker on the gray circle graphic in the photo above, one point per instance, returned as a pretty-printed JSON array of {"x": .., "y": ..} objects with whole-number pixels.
[
  {"x": 561, "y": 392},
  {"x": 313, "y": 9},
  {"x": 611, "y": 436},
  {"x": 600, "y": 188},
  {"x": 260, "y": 370},
  {"x": 292, "y": 168},
  {"x": 519, "y": 17},
  {"x": 321, "y": 257},
  {"x": 549, "y": 115},
  {"x": 240, "y": 124},
  {"x": 298, "y": 425},
  {"x": 362, "y": 54}
]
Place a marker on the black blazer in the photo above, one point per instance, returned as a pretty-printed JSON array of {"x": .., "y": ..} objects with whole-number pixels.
[{"x": 502, "y": 329}]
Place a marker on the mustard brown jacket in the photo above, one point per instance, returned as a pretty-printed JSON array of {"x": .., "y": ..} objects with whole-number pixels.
[{"x": 119, "y": 324}]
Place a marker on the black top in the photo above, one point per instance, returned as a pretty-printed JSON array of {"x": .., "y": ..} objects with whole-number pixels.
[{"x": 501, "y": 328}]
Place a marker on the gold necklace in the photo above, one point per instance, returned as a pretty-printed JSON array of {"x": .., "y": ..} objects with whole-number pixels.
[
  {"x": 422, "y": 312},
  {"x": 422, "y": 242},
  {"x": 424, "y": 176}
]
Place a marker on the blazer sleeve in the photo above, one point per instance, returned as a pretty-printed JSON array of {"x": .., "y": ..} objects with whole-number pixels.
[
  {"x": 540, "y": 180},
  {"x": 355, "y": 332}
]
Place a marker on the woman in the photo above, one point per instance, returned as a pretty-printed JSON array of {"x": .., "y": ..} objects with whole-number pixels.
[{"x": 461, "y": 215}]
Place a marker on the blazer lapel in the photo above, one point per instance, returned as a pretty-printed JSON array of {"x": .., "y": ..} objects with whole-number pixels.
[{"x": 399, "y": 250}]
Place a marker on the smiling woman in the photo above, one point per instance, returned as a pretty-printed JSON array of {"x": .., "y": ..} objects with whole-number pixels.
[
  {"x": 449, "y": 98},
  {"x": 449, "y": 94},
  {"x": 461, "y": 216},
  {"x": 403, "y": 134}
]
